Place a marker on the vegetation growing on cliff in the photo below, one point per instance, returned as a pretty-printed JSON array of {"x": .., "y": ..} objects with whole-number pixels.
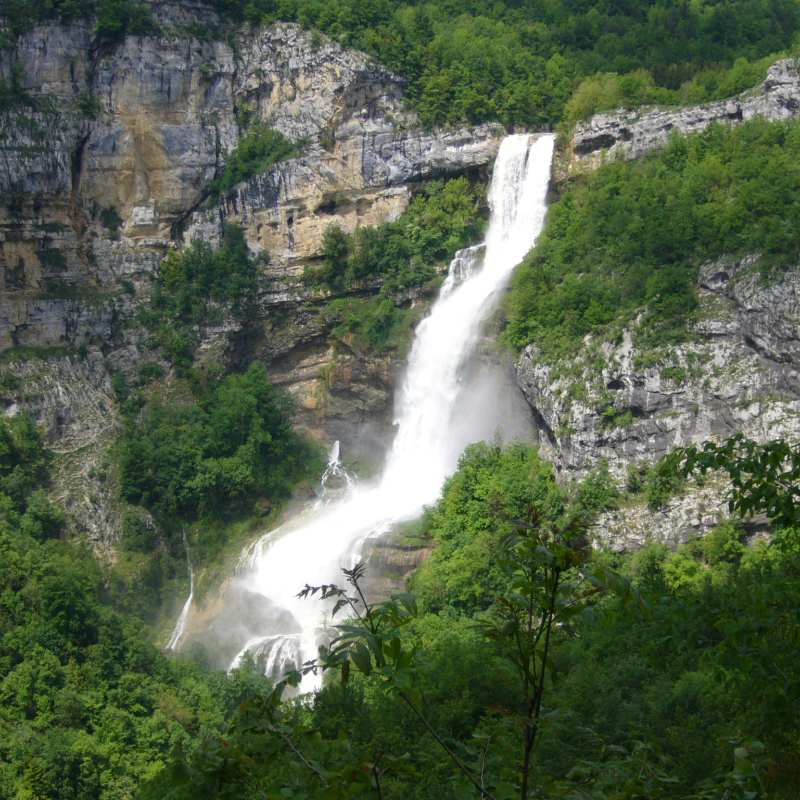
[
  {"x": 256, "y": 152},
  {"x": 215, "y": 457},
  {"x": 199, "y": 286},
  {"x": 519, "y": 62},
  {"x": 370, "y": 324},
  {"x": 630, "y": 237},
  {"x": 516, "y": 62},
  {"x": 411, "y": 252},
  {"x": 612, "y": 91},
  {"x": 116, "y": 19},
  {"x": 442, "y": 218}
]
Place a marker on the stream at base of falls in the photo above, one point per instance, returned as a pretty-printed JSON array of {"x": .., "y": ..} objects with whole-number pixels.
[{"x": 431, "y": 431}]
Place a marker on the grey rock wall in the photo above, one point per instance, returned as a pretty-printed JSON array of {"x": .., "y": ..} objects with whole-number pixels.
[
  {"x": 740, "y": 372},
  {"x": 632, "y": 134},
  {"x": 105, "y": 166}
]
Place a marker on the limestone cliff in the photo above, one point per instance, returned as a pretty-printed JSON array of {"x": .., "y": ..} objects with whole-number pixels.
[
  {"x": 632, "y": 134},
  {"x": 740, "y": 371},
  {"x": 105, "y": 165},
  {"x": 737, "y": 373}
]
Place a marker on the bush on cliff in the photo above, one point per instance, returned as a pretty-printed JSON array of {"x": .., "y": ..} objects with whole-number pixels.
[
  {"x": 442, "y": 217},
  {"x": 199, "y": 286},
  {"x": 218, "y": 456},
  {"x": 259, "y": 149},
  {"x": 630, "y": 237}
]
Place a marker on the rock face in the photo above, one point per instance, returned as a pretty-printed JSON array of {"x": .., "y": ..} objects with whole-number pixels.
[
  {"x": 740, "y": 371},
  {"x": 118, "y": 152},
  {"x": 631, "y": 134},
  {"x": 105, "y": 164}
]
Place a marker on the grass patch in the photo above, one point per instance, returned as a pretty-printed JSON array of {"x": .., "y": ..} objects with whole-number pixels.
[{"x": 41, "y": 353}]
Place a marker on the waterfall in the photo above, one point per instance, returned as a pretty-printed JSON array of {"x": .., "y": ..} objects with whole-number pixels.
[
  {"x": 464, "y": 266},
  {"x": 180, "y": 627},
  {"x": 335, "y": 469},
  {"x": 430, "y": 437}
]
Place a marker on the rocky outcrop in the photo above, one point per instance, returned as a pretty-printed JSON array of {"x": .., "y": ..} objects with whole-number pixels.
[
  {"x": 105, "y": 163},
  {"x": 631, "y": 134},
  {"x": 740, "y": 371},
  {"x": 366, "y": 178},
  {"x": 110, "y": 156},
  {"x": 362, "y": 152}
]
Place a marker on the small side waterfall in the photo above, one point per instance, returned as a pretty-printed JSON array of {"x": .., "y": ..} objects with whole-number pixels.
[
  {"x": 335, "y": 469},
  {"x": 430, "y": 434},
  {"x": 180, "y": 627}
]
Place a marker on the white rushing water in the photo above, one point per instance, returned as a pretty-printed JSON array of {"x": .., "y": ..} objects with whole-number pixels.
[
  {"x": 314, "y": 547},
  {"x": 180, "y": 627}
]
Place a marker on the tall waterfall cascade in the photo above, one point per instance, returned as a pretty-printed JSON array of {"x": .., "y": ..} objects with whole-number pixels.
[{"x": 430, "y": 437}]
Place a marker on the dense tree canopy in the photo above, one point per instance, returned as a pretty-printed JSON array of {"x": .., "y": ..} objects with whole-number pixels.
[
  {"x": 88, "y": 707},
  {"x": 632, "y": 236},
  {"x": 220, "y": 454},
  {"x": 662, "y": 674},
  {"x": 516, "y": 61},
  {"x": 683, "y": 685}
]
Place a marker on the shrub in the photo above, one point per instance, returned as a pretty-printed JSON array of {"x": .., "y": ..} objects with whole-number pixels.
[
  {"x": 197, "y": 286},
  {"x": 259, "y": 149},
  {"x": 441, "y": 218}
]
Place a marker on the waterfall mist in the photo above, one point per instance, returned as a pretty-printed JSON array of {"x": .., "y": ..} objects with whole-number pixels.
[{"x": 437, "y": 413}]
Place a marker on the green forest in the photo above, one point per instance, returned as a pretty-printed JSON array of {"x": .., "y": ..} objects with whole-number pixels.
[
  {"x": 633, "y": 235},
  {"x": 525, "y": 63},
  {"x": 666, "y": 674},
  {"x": 521, "y": 660}
]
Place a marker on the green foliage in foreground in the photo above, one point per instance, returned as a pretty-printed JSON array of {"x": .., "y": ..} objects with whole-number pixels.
[
  {"x": 258, "y": 150},
  {"x": 631, "y": 236},
  {"x": 89, "y": 710},
  {"x": 493, "y": 486},
  {"x": 764, "y": 480},
  {"x": 709, "y": 671},
  {"x": 442, "y": 218},
  {"x": 218, "y": 456},
  {"x": 709, "y": 678}
]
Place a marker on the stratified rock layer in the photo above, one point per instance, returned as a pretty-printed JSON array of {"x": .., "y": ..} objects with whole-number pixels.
[
  {"x": 739, "y": 373},
  {"x": 107, "y": 164},
  {"x": 631, "y": 134}
]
